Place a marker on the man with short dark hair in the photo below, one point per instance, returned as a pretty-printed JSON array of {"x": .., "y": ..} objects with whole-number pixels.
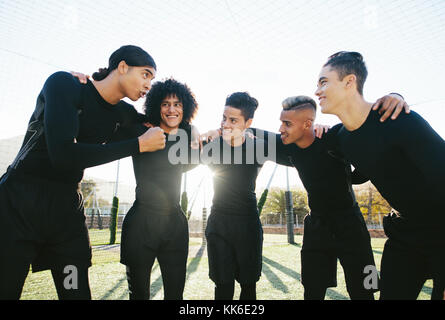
[
  {"x": 234, "y": 233},
  {"x": 404, "y": 159}
]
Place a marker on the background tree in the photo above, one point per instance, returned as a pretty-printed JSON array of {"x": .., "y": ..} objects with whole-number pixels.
[
  {"x": 301, "y": 208},
  {"x": 275, "y": 205},
  {"x": 86, "y": 187},
  {"x": 371, "y": 202}
]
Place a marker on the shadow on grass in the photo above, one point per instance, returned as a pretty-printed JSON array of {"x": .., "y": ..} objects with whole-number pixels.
[
  {"x": 156, "y": 286},
  {"x": 110, "y": 292},
  {"x": 116, "y": 286},
  {"x": 427, "y": 290},
  {"x": 193, "y": 265},
  {"x": 274, "y": 279},
  {"x": 330, "y": 292},
  {"x": 295, "y": 244}
]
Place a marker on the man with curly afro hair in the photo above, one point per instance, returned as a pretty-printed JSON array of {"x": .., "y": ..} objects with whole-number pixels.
[{"x": 156, "y": 226}]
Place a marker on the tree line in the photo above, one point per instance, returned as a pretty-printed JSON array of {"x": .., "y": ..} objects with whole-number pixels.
[{"x": 372, "y": 205}]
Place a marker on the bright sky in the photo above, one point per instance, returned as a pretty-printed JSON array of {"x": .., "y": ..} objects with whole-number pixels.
[{"x": 272, "y": 49}]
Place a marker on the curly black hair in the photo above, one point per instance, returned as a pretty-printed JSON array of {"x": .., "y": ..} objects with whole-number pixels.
[{"x": 162, "y": 89}]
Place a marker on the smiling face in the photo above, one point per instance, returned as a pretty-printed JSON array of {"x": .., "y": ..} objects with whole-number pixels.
[
  {"x": 135, "y": 82},
  {"x": 233, "y": 124},
  {"x": 171, "y": 113},
  {"x": 294, "y": 124},
  {"x": 331, "y": 91}
]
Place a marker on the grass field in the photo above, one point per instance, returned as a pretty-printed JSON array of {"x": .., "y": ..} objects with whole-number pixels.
[{"x": 280, "y": 278}]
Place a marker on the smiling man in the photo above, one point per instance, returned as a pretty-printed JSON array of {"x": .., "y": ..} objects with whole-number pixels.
[
  {"x": 156, "y": 227},
  {"x": 234, "y": 233},
  {"x": 404, "y": 159},
  {"x": 335, "y": 228}
]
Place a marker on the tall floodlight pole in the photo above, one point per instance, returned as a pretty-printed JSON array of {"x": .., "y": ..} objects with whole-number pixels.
[
  {"x": 114, "y": 209},
  {"x": 289, "y": 211}
]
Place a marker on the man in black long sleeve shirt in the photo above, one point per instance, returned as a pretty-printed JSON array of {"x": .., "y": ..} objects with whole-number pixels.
[
  {"x": 42, "y": 216},
  {"x": 156, "y": 227},
  {"x": 404, "y": 159},
  {"x": 234, "y": 233}
]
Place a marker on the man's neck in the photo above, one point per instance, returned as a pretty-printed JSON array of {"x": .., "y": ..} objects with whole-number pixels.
[
  {"x": 107, "y": 88},
  {"x": 307, "y": 140},
  {"x": 354, "y": 112}
]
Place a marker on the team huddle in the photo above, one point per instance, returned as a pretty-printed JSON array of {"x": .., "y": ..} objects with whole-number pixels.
[{"x": 78, "y": 123}]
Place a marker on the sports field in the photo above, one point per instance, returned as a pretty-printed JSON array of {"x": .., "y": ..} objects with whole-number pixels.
[{"x": 280, "y": 278}]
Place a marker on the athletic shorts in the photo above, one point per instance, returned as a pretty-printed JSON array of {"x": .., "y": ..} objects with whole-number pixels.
[
  {"x": 406, "y": 264},
  {"x": 43, "y": 224},
  {"x": 147, "y": 233},
  {"x": 234, "y": 247},
  {"x": 326, "y": 240}
]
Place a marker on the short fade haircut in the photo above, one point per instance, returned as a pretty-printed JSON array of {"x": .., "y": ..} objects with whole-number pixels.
[
  {"x": 244, "y": 102},
  {"x": 345, "y": 63},
  {"x": 163, "y": 89},
  {"x": 299, "y": 103}
]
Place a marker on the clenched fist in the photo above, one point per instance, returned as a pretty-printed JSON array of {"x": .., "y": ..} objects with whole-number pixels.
[{"x": 153, "y": 139}]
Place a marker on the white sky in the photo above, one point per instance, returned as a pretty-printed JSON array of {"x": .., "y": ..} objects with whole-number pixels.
[{"x": 272, "y": 49}]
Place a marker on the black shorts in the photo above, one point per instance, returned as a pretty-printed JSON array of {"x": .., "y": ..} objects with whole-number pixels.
[
  {"x": 43, "y": 224},
  {"x": 234, "y": 248},
  {"x": 407, "y": 264},
  {"x": 326, "y": 240},
  {"x": 148, "y": 233}
]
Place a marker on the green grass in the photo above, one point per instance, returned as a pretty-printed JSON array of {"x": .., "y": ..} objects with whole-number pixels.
[
  {"x": 280, "y": 278},
  {"x": 102, "y": 237}
]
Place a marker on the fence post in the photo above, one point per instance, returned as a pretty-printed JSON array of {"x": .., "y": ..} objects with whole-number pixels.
[
  {"x": 204, "y": 224},
  {"x": 289, "y": 217},
  {"x": 113, "y": 219}
]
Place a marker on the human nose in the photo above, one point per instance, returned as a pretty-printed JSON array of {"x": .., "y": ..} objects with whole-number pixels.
[
  {"x": 147, "y": 85},
  {"x": 225, "y": 124}
]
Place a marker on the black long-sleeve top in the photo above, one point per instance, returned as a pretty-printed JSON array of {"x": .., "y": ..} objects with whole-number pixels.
[
  {"x": 235, "y": 170},
  {"x": 158, "y": 174},
  {"x": 69, "y": 130},
  {"x": 405, "y": 160},
  {"x": 325, "y": 176}
]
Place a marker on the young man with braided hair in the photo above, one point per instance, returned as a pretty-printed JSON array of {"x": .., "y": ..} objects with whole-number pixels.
[{"x": 70, "y": 129}]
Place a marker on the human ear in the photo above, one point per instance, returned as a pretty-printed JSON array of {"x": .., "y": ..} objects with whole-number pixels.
[
  {"x": 307, "y": 124},
  {"x": 122, "y": 67},
  {"x": 350, "y": 80}
]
